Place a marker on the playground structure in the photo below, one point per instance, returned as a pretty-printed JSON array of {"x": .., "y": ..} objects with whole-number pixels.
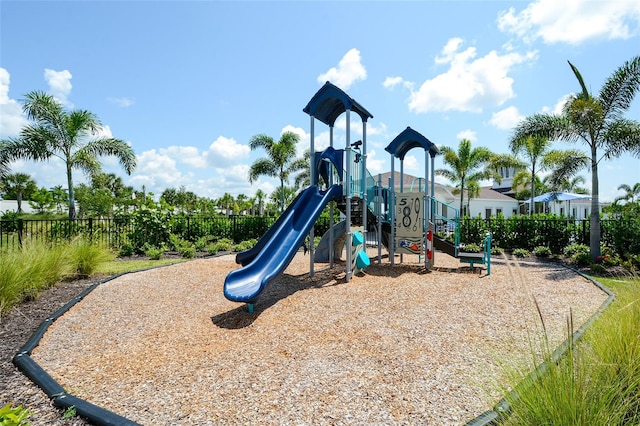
[{"x": 402, "y": 221}]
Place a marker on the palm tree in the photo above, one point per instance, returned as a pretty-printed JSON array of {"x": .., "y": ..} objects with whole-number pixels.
[
  {"x": 4, "y": 166},
  {"x": 632, "y": 194},
  {"x": 537, "y": 151},
  {"x": 467, "y": 165},
  {"x": 596, "y": 121},
  {"x": 260, "y": 197},
  {"x": 573, "y": 185},
  {"x": 280, "y": 161},
  {"x": 68, "y": 135},
  {"x": 303, "y": 179},
  {"x": 226, "y": 202},
  {"x": 18, "y": 185}
]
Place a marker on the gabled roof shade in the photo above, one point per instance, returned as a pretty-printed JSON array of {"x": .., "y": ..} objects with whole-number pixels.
[
  {"x": 330, "y": 102},
  {"x": 409, "y": 139}
]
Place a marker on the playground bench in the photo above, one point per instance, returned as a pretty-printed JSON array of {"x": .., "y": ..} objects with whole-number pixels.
[{"x": 483, "y": 258}]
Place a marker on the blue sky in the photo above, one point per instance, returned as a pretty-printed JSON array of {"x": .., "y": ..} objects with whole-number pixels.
[{"x": 188, "y": 83}]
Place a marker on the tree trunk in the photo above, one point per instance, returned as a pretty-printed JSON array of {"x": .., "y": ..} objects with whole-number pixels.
[
  {"x": 72, "y": 201},
  {"x": 462, "y": 198},
  {"x": 532, "y": 205},
  {"x": 594, "y": 219},
  {"x": 19, "y": 201}
]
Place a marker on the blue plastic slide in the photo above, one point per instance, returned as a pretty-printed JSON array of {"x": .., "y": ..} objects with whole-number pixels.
[
  {"x": 245, "y": 257},
  {"x": 246, "y": 284}
]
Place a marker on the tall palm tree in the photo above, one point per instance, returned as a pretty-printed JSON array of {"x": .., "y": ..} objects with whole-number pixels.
[
  {"x": 467, "y": 165},
  {"x": 598, "y": 122},
  {"x": 632, "y": 193},
  {"x": 539, "y": 157},
  {"x": 260, "y": 197},
  {"x": 68, "y": 135},
  {"x": 18, "y": 185},
  {"x": 280, "y": 161},
  {"x": 4, "y": 166}
]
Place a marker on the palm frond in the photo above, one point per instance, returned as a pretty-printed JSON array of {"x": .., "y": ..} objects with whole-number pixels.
[
  {"x": 262, "y": 167},
  {"x": 620, "y": 88},
  {"x": 115, "y": 147},
  {"x": 622, "y": 136},
  {"x": 585, "y": 91}
]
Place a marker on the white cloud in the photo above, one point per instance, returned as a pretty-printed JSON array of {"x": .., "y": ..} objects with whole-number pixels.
[
  {"x": 189, "y": 155},
  {"x": 506, "y": 119},
  {"x": 225, "y": 150},
  {"x": 411, "y": 163},
  {"x": 470, "y": 84},
  {"x": 59, "y": 84},
  {"x": 467, "y": 134},
  {"x": 348, "y": 71},
  {"x": 448, "y": 52},
  {"x": 375, "y": 165},
  {"x": 122, "y": 102},
  {"x": 391, "y": 82},
  {"x": 573, "y": 21},
  {"x": 557, "y": 108},
  {"x": 12, "y": 120}
]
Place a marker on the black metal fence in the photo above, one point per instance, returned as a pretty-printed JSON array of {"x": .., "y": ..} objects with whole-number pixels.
[
  {"x": 622, "y": 234},
  {"x": 114, "y": 232}
]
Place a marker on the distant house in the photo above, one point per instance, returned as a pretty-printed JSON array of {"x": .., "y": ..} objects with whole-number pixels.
[
  {"x": 488, "y": 203},
  {"x": 12, "y": 206}
]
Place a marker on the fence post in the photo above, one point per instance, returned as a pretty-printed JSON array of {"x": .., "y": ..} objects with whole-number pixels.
[{"x": 20, "y": 225}]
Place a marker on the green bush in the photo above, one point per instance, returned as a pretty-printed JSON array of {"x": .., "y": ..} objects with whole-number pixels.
[
  {"x": 496, "y": 251},
  {"x": 245, "y": 245},
  {"x": 14, "y": 416},
  {"x": 154, "y": 253},
  {"x": 187, "y": 252},
  {"x": 572, "y": 249},
  {"x": 472, "y": 248},
  {"x": 542, "y": 251},
  {"x": 225, "y": 244},
  {"x": 520, "y": 252}
]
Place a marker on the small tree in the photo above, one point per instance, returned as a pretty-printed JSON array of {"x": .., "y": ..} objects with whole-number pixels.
[
  {"x": 68, "y": 135},
  {"x": 18, "y": 186},
  {"x": 467, "y": 165}
]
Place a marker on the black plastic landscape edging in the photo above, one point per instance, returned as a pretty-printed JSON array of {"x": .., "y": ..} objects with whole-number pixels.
[
  {"x": 103, "y": 417},
  {"x": 502, "y": 410},
  {"x": 27, "y": 366}
]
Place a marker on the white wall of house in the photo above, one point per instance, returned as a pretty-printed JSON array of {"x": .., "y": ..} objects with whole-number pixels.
[{"x": 12, "y": 206}]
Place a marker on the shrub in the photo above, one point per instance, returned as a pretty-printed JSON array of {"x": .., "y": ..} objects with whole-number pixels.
[
  {"x": 581, "y": 258},
  {"x": 572, "y": 249},
  {"x": 472, "y": 248},
  {"x": 224, "y": 244},
  {"x": 87, "y": 256},
  {"x": 203, "y": 242},
  {"x": 520, "y": 252},
  {"x": 154, "y": 253},
  {"x": 13, "y": 416},
  {"x": 496, "y": 251},
  {"x": 542, "y": 251},
  {"x": 245, "y": 245},
  {"x": 187, "y": 252}
]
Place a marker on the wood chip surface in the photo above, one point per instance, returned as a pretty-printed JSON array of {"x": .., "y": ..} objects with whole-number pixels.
[{"x": 396, "y": 345}]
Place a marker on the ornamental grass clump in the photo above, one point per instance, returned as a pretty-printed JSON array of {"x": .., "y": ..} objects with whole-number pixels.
[
  {"x": 87, "y": 256},
  {"x": 596, "y": 381}
]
